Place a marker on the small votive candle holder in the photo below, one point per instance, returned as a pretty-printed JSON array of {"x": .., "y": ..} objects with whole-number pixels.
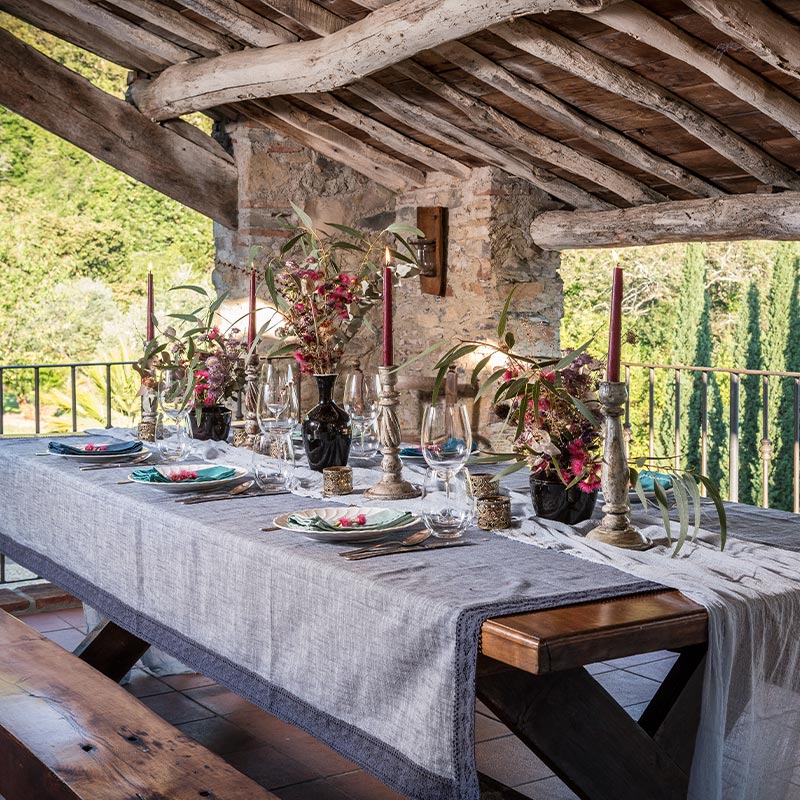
[
  {"x": 239, "y": 436},
  {"x": 494, "y": 512},
  {"x": 482, "y": 484},
  {"x": 337, "y": 480}
]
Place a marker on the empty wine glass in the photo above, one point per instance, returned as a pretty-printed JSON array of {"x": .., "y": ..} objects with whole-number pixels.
[
  {"x": 446, "y": 439},
  {"x": 174, "y": 392},
  {"x": 362, "y": 393},
  {"x": 448, "y": 505},
  {"x": 277, "y": 414}
]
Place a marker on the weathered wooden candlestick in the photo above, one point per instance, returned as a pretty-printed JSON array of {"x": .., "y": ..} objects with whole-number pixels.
[
  {"x": 146, "y": 431},
  {"x": 251, "y": 379},
  {"x": 616, "y": 526},
  {"x": 391, "y": 486}
]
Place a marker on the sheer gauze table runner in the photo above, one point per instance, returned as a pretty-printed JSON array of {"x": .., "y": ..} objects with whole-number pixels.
[{"x": 376, "y": 658}]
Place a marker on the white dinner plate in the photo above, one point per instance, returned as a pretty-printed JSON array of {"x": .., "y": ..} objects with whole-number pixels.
[
  {"x": 98, "y": 458},
  {"x": 345, "y": 534},
  {"x": 192, "y": 486}
]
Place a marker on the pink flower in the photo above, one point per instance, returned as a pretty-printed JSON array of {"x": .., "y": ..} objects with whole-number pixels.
[
  {"x": 344, "y": 522},
  {"x": 361, "y": 519},
  {"x": 183, "y": 475},
  {"x": 208, "y": 400},
  {"x": 89, "y": 448}
]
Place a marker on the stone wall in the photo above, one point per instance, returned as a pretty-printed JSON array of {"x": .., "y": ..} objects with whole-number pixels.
[{"x": 489, "y": 249}]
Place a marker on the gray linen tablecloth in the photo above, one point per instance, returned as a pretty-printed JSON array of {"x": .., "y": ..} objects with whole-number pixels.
[{"x": 375, "y": 658}]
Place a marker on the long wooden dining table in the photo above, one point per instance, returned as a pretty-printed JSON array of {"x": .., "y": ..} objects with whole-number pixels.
[{"x": 532, "y": 674}]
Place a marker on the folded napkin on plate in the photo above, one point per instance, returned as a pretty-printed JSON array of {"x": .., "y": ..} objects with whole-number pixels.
[
  {"x": 649, "y": 479},
  {"x": 449, "y": 446},
  {"x": 152, "y": 475},
  {"x": 110, "y": 448},
  {"x": 376, "y": 520}
]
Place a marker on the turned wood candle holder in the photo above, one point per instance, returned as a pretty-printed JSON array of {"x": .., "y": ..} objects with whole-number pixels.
[
  {"x": 251, "y": 380},
  {"x": 146, "y": 431},
  {"x": 391, "y": 486},
  {"x": 616, "y": 526}
]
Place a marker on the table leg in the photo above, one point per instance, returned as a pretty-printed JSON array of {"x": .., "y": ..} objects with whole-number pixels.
[
  {"x": 588, "y": 739},
  {"x": 111, "y": 650}
]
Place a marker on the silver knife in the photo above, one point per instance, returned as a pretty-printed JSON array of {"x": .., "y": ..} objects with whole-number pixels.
[
  {"x": 196, "y": 500},
  {"x": 414, "y": 549}
]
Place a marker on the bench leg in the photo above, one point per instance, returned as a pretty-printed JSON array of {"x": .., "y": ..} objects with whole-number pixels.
[
  {"x": 111, "y": 650},
  {"x": 571, "y": 722}
]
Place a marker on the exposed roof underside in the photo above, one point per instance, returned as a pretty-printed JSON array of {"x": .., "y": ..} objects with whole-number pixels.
[{"x": 612, "y": 105}]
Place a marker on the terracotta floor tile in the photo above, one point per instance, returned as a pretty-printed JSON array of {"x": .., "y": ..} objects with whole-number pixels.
[
  {"x": 143, "y": 685},
  {"x": 509, "y": 761},
  {"x": 318, "y": 790},
  {"x": 218, "y": 699},
  {"x": 74, "y": 616},
  {"x": 190, "y": 681},
  {"x": 175, "y": 708},
  {"x": 271, "y": 767},
  {"x": 642, "y": 658},
  {"x": 268, "y": 729},
  {"x": 488, "y": 728},
  {"x": 311, "y": 751},
  {"x": 69, "y": 638},
  {"x": 219, "y": 735},
  {"x": 46, "y": 621},
  {"x": 362, "y": 786},
  {"x": 626, "y": 688},
  {"x": 548, "y": 789},
  {"x": 657, "y": 670}
]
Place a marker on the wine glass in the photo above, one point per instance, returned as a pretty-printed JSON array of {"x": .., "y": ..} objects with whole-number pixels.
[
  {"x": 448, "y": 505},
  {"x": 174, "y": 392},
  {"x": 277, "y": 413},
  {"x": 362, "y": 393},
  {"x": 446, "y": 440}
]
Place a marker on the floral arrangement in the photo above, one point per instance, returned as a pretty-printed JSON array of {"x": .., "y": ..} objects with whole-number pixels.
[
  {"x": 210, "y": 359},
  {"x": 325, "y": 283},
  {"x": 558, "y": 439}
]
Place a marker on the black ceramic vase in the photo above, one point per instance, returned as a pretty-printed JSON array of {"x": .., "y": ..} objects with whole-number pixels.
[
  {"x": 214, "y": 423},
  {"x": 552, "y": 500},
  {"x": 326, "y": 429}
]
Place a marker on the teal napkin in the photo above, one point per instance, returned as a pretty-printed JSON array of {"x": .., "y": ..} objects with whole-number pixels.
[
  {"x": 375, "y": 521},
  {"x": 648, "y": 480},
  {"x": 152, "y": 475},
  {"x": 111, "y": 448}
]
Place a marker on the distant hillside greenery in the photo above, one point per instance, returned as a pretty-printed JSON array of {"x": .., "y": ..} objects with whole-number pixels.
[
  {"x": 715, "y": 305},
  {"x": 76, "y": 237}
]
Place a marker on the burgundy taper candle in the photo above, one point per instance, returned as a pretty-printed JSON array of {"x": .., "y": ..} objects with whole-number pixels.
[
  {"x": 615, "y": 331},
  {"x": 388, "y": 344},
  {"x": 251, "y": 317},
  {"x": 150, "y": 304}
]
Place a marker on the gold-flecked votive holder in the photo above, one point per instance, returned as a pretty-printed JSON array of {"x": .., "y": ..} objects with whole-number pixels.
[
  {"x": 239, "y": 435},
  {"x": 337, "y": 480},
  {"x": 482, "y": 484},
  {"x": 494, "y": 512}
]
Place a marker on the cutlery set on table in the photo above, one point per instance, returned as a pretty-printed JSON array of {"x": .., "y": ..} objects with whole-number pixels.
[{"x": 207, "y": 483}]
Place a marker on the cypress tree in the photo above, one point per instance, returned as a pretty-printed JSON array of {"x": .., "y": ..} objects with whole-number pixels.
[
  {"x": 749, "y": 345},
  {"x": 702, "y": 358}
]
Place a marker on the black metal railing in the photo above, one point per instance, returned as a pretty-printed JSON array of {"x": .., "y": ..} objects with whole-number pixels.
[{"x": 674, "y": 396}]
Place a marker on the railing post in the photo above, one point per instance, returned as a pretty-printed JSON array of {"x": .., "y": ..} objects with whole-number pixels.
[
  {"x": 733, "y": 441},
  {"x": 74, "y": 396},
  {"x": 2, "y": 400},
  {"x": 796, "y": 447},
  {"x": 108, "y": 396},
  {"x": 703, "y": 428},
  {"x": 626, "y": 429},
  {"x": 651, "y": 405},
  {"x": 766, "y": 443},
  {"x": 677, "y": 419},
  {"x": 36, "y": 405}
]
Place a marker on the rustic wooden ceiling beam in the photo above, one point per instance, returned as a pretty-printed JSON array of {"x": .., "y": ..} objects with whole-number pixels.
[
  {"x": 202, "y": 39},
  {"x": 536, "y": 145},
  {"x": 645, "y": 26},
  {"x": 771, "y": 36},
  {"x": 729, "y": 218},
  {"x": 576, "y": 121},
  {"x": 568, "y": 55},
  {"x": 451, "y": 135},
  {"x": 385, "y": 37},
  {"x": 241, "y": 22},
  {"x": 329, "y": 104},
  {"x": 286, "y": 118},
  {"x": 105, "y": 35},
  {"x": 316, "y": 18},
  {"x": 69, "y": 106}
]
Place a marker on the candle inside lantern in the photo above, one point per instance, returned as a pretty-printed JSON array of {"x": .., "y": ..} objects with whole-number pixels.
[
  {"x": 615, "y": 332},
  {"x": 251, "y": 317},
  {"x": 150, "y": 304},
  {"x": 388, "y": 344}
]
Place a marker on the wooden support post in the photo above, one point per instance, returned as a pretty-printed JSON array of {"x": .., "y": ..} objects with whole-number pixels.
[{"x": 111, "y": 650}]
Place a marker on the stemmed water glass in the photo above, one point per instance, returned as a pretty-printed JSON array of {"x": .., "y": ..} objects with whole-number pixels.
[
  {"x": 277, "y": 414},
  {"x": 362, "y": 393},
  {"x": 174, "y": 391}
]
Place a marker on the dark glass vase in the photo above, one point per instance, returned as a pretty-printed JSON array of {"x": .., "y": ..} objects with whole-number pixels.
[
  {"x": 214, "y": 423},
  {"x": 326, "y": 429},
  {"x": 552, "y": 500}
]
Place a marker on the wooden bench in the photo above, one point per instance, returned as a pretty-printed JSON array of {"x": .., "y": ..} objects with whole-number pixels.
[{"x": 67, "y": 732}]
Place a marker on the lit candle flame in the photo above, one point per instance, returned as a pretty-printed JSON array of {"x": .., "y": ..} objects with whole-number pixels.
[
  {"x": 150, "y": 266},
  {"x": 387, "y": 257}
]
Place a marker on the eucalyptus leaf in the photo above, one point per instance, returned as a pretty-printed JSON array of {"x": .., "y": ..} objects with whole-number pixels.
[
  {"x": 479, "y": 367},
  {"x": 405, "y": 230},
  {"x": 501, "y": 325},
  {"x": 663, "y": 504},
  {"x": 682, "y": 503},
  {"x": 486, "y": 385},
  {"x": 713, "y": 493},
  {"x": 190, "y": 287},
  {"x": 302, "y": 216}
]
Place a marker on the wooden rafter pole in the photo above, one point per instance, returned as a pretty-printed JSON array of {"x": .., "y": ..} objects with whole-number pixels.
[
  {"x": 730, "y": 218},
  {"x": 771, "y": 36},
  {"x": 69, "y": 106},
  {"x": 536, "y": 145},
  {"x": 451, "y": 135},
  {"x": 572, "y": 57},
  {"x": 385, "y": 37},
  {"x": 573, "y": 119},
  {"x": 645, "y": 26}
]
